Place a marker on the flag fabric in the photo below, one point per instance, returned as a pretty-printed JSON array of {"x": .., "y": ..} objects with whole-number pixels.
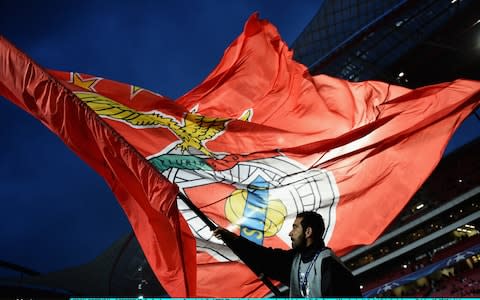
[
  {"x": 355, "y": 152},
  {"x": 148, "y": 199},
  {"x": 258, "y": 141}
]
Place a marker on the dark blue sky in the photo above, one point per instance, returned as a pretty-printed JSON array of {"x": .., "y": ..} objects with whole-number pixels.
[{"x": 55, "y": 211}]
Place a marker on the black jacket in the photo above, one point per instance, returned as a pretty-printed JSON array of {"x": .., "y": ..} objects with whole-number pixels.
[{"x": 337, "y": 281}]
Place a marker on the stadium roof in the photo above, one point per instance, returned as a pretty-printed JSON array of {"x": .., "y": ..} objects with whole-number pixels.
[{"x": 364, "y": 40}]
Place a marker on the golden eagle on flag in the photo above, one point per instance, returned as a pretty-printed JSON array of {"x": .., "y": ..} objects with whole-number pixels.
[{"x": 258, "y": 141}]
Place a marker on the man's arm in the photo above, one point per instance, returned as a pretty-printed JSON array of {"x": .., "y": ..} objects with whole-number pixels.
[{"x": 274, "y": 263}]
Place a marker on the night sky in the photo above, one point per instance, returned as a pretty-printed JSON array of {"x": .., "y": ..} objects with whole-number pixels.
[{"x": 55, "y": 211}]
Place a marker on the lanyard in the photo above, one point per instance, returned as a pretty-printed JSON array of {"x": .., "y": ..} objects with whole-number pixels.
[{"x": 304, "y": 282}]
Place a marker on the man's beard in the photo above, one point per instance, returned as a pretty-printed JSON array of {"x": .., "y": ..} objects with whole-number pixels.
[{"x": 300, "y": 244}]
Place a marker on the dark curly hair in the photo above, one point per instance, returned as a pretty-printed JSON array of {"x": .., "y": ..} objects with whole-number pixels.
[{"x": 315, "y": 221}]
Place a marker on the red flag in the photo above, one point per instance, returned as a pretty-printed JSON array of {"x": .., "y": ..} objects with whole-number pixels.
[
  {"x": 148, "y": 200},
  {"x": 355, "y": 152},
  {"x": 261, "y": 140}
]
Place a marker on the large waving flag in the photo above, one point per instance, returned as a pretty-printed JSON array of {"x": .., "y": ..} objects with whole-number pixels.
[{"x": 257, "y": 142}]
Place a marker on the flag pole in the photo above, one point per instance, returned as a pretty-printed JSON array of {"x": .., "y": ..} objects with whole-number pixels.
[{"x": 212, "y": 227}]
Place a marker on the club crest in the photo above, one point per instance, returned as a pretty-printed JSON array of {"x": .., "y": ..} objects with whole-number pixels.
[{"x": 260, "y": 197}]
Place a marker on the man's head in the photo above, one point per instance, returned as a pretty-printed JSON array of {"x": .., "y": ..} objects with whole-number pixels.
[{"x": 307, "y": 230}]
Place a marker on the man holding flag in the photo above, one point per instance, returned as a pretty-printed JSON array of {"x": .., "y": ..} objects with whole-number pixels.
[{"x": 310, "y": 269}]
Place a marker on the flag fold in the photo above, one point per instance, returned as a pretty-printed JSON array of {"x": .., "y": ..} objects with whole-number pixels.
[{"x": 148, "y": 199}]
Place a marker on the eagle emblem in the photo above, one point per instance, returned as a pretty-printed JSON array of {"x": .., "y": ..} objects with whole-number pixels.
[{"x": 194, "y": 130}]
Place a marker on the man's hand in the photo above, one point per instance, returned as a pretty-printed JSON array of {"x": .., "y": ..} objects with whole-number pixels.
[
  {"x": 218, "y": 232},
  {"x": 224, "y": 235}
]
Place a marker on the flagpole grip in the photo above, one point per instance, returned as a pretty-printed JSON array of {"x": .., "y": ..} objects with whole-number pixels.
[{"x": 212, "y": 227}]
